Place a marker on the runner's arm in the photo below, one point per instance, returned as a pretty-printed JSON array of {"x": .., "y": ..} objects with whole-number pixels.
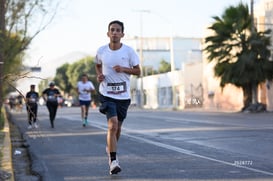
[
  {"x": 100, "y": 76},
  {"x": 135, "y": 70}
]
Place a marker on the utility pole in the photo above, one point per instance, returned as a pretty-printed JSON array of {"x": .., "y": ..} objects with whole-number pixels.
[
  {"x": 254, "y": 85},
  {"x": 252, "y": 16},
  {"x": 2, "y": 37},
  {"x": 141, "y": 54}
]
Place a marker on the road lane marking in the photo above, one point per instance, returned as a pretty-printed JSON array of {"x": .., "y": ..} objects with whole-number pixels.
[
  {"x": 190, "y": 120},
  {"x": 181, "y": 150},
  {"x": 187, "y": 152},
  {"x": 191, "y": 153}
]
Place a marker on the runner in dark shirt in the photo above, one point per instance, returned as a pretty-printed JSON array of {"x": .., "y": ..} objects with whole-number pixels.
[
  {"x": 31, "y": 103},
  {"x": 51, "y": 95}
]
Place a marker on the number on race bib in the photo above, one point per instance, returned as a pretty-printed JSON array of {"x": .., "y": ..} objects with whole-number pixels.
[{"x": 116, "y": 88}]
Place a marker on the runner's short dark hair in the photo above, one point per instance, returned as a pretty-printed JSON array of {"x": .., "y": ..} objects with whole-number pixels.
[{"x": 117, "y": 22}]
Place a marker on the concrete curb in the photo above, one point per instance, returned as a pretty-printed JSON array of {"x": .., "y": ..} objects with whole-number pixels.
[{"x": 7, "y": 150}]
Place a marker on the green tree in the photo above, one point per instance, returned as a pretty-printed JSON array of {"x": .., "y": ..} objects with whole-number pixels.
[
  {"x": 2, "y": 40},
  {"x": 240, "y": 52},
  {"x": 68, "y": 75},
  {"x": 17, "y": 17},
  {"x": 61, "y": 79},
  {"x": 164, "y": 66},
  {"x": 13, "y": 61},
  {"x": 75, "y": 70}
]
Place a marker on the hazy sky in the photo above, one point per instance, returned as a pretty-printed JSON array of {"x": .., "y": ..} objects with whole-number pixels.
[{"x": 81, "y": 25}]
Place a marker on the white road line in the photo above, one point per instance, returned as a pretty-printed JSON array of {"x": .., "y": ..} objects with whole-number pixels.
[
  {"x": 190, "y": 120},
  {"x": 187, "y": 152},
  {"x": 181, "y": 150}
]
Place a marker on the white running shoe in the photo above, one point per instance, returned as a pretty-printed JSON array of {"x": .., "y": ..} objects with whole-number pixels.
[
  {"x": 35, "y": 125},
  {"x": 29, "y": 126},
  {"x": 108, "y": 154},
  {"x": 114, "y": 167}
]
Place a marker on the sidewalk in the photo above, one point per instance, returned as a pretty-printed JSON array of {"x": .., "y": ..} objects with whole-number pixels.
[{"x": 6, "y": 168}]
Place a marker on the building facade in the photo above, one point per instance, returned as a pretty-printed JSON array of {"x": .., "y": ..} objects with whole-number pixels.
[
  {"x": 191, "y": 83},
  {"x": 265, "y": 21},
  {"x": 173, "y": 90}
]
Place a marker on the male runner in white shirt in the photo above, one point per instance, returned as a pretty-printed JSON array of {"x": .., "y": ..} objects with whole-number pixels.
[
  {"x": 115, "y": 62},
  {"x": 84, "y": 88}
]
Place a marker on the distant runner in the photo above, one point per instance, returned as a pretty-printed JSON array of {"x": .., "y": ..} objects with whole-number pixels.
[
  {"x": 32, "y": 98},
  {"x": 84, "y": 89},
  {"x": 51, "y": 95}
]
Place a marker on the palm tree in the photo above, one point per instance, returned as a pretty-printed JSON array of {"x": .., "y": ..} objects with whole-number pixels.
[{"x": 241, "y": 53}]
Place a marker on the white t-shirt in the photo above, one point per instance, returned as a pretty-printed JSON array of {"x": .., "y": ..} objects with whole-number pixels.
[
  {"x": 116, "y": 85},
  {"x": 82, "y": 87}
]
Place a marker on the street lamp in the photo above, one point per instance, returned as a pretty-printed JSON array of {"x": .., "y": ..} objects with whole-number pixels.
[{"x": 252, "y": 15}]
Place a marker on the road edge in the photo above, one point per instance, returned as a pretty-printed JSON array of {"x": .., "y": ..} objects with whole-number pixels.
[{"x": 7, "y": 149}]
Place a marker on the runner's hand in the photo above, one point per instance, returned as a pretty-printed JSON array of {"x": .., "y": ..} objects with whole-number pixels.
[{"x": 100, "y": 77}]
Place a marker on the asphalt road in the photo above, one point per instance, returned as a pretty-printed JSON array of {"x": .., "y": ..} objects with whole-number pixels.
[{"x": 155, "y": 145}]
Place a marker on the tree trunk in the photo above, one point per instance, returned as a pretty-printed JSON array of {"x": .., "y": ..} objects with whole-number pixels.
[
  {"x": 254, "y": 89},
  {"x": 2, "y": 36},
  {"x": 247, "y": 91}
]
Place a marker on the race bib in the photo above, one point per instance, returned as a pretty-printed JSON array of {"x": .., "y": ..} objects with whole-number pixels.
[
  {"x": 116, "y": 88},
  {"x": 51, "y": 98},
  {"x": 83, "y": 92},
  {"x": 32, "y": 100}
]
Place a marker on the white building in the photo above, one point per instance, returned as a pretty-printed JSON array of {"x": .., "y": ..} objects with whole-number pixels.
[
  {"x": 192, "y": 82},
  {"x": 177, "y": 89},
  {"x": 180, "y": 50},
  {"x": 265, "y": 21}
]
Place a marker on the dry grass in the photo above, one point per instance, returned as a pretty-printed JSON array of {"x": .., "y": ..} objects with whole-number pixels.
[{"x": 2, "y": 134}]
